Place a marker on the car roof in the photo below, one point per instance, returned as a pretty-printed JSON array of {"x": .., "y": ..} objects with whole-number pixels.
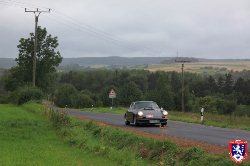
[{"x": 143, "y": 101}]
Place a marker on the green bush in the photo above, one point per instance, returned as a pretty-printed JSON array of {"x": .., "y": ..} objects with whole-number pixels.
[
  {"x": 58, "y": 119},
  {"x": 214, "y": 104},
  {"x": 65, "y": 95},
  {"x": 82, "y": 101},
  {"x": 226, "y": 106},
  {"x": 242, "y": 110},
  {"x": 4, "y": 99},
  {"x": 25, "y": 94}
]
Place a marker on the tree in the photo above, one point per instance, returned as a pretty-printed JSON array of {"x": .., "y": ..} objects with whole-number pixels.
[
  {"x": 65, "y": 95},
  {"x": 212, "y": 86},
  {"x": 220, "y": 83},
  {"x": 228, "y": 86},
  {"x": 47, "y": 61},
  {"x": 82, "y": 101},
  {"x": 129, "y": 93}
]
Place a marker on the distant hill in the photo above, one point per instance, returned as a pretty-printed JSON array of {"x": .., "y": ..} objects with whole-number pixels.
[
  {"x": 7, "y": 63},
  {"x": 93, "y": 61},
  {"x": 117, "y": 61}
]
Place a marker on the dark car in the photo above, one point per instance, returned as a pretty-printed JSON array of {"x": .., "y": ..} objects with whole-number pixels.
[{"x": 145, "y": 112}]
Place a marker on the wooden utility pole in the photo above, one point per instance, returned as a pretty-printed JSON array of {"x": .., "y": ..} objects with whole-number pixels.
[
  {"x": 182, "y": 84},
  {"x": 37, "y": 12}
]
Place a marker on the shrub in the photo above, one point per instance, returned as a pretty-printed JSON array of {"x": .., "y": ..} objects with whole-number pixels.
[
  {"x": 226, "y": 106},
  {"x": 65, "y": 95},
  {"x": 3, "y": 99},
  {"x": 192, "y": 154},
  {"x": 214, "y": 104},
  {"x": 25, "y": 94},
  {"x": 82, "y": 101},
  {"x": 242, "y": 110},
  {"x": 58, "y": 119}
]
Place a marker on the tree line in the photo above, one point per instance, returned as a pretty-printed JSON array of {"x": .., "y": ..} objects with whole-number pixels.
[{"x": 221, "y": 95}]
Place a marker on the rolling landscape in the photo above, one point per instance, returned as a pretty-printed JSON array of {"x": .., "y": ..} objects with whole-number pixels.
[
  {"x": 196, "y": 65},
  {"x": 124, "y": 83}
]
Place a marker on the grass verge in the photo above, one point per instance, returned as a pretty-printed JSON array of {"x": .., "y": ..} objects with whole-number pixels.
[
  {"x": 26, "y": 138},
  {"x": 224, "y": 121}
]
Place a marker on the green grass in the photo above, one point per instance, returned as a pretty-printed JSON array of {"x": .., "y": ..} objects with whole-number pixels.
[
  {"x": 114, "y": 110},
  {"x": 225, "y": 121},
  {"x": 26, "y": 138}
]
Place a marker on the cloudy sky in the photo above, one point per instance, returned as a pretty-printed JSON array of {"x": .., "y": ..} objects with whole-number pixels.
[{"x": 196, "y": 28}]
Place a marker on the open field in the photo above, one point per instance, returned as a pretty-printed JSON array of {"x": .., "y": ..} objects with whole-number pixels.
[
  {"x": 26, "y": 138},
  {"x": 224, "y": 121},
  {"x": 212, "y": 67}
]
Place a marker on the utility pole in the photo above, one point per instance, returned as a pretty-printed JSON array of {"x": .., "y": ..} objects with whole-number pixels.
[
  {"x": 37, "y": 12},
  {"x": 182, "y": 84}
]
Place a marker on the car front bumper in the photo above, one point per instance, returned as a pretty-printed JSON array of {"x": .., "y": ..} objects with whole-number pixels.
[{"x": 151, "y": 121}]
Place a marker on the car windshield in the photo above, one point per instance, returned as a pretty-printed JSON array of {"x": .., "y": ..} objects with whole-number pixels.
[{"x": 146, "y": 105}]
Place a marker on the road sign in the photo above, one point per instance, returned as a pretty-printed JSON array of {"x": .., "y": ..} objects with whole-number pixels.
[{"x": 112, "y": 94}]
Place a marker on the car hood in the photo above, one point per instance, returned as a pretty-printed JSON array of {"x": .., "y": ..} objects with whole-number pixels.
[{"x": 151, "y": 113}]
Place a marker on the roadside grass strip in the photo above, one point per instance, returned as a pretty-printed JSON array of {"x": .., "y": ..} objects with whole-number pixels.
[
  {"x": 224, "y": 121},
  {"x": 26, "y": 138}
]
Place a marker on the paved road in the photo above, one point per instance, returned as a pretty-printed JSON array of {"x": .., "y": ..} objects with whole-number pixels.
[{"x": 208, "y": 134}]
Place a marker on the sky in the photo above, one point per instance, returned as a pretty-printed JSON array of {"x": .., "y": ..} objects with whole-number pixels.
[{"x": 218, "y": 29}]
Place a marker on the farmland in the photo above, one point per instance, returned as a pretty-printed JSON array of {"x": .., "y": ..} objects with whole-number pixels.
[{"x": 204, "y": 67}]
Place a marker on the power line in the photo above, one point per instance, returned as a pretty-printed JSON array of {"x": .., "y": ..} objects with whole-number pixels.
[
  {"x": 66, "y": 20},
  {"x": 109, "y": 35},
  {"x": 104, "y": 35}
]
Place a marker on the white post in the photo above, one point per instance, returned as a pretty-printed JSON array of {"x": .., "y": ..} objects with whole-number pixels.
[{"x": 202, "y": 113}]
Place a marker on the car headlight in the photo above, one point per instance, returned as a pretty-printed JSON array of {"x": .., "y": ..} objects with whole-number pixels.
[
  {"x": 140, "y": 113},
  {"x": 165, "y": 113}
]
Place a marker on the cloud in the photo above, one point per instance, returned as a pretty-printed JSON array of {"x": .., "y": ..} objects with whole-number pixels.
[{"x": 199, "y": 28}]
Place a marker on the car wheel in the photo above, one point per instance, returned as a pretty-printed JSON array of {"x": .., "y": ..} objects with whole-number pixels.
[
  {"x": 163, "y": 124},
  {"x": 127, "y": 122}
]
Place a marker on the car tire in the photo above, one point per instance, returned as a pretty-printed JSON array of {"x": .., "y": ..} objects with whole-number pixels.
[
  {"x": 127, "y": 122},
  {"x": 163, "y": 124}
]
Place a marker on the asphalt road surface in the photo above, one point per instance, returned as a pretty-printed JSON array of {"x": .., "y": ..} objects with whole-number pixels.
[{"x": 211, "y": 135}]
